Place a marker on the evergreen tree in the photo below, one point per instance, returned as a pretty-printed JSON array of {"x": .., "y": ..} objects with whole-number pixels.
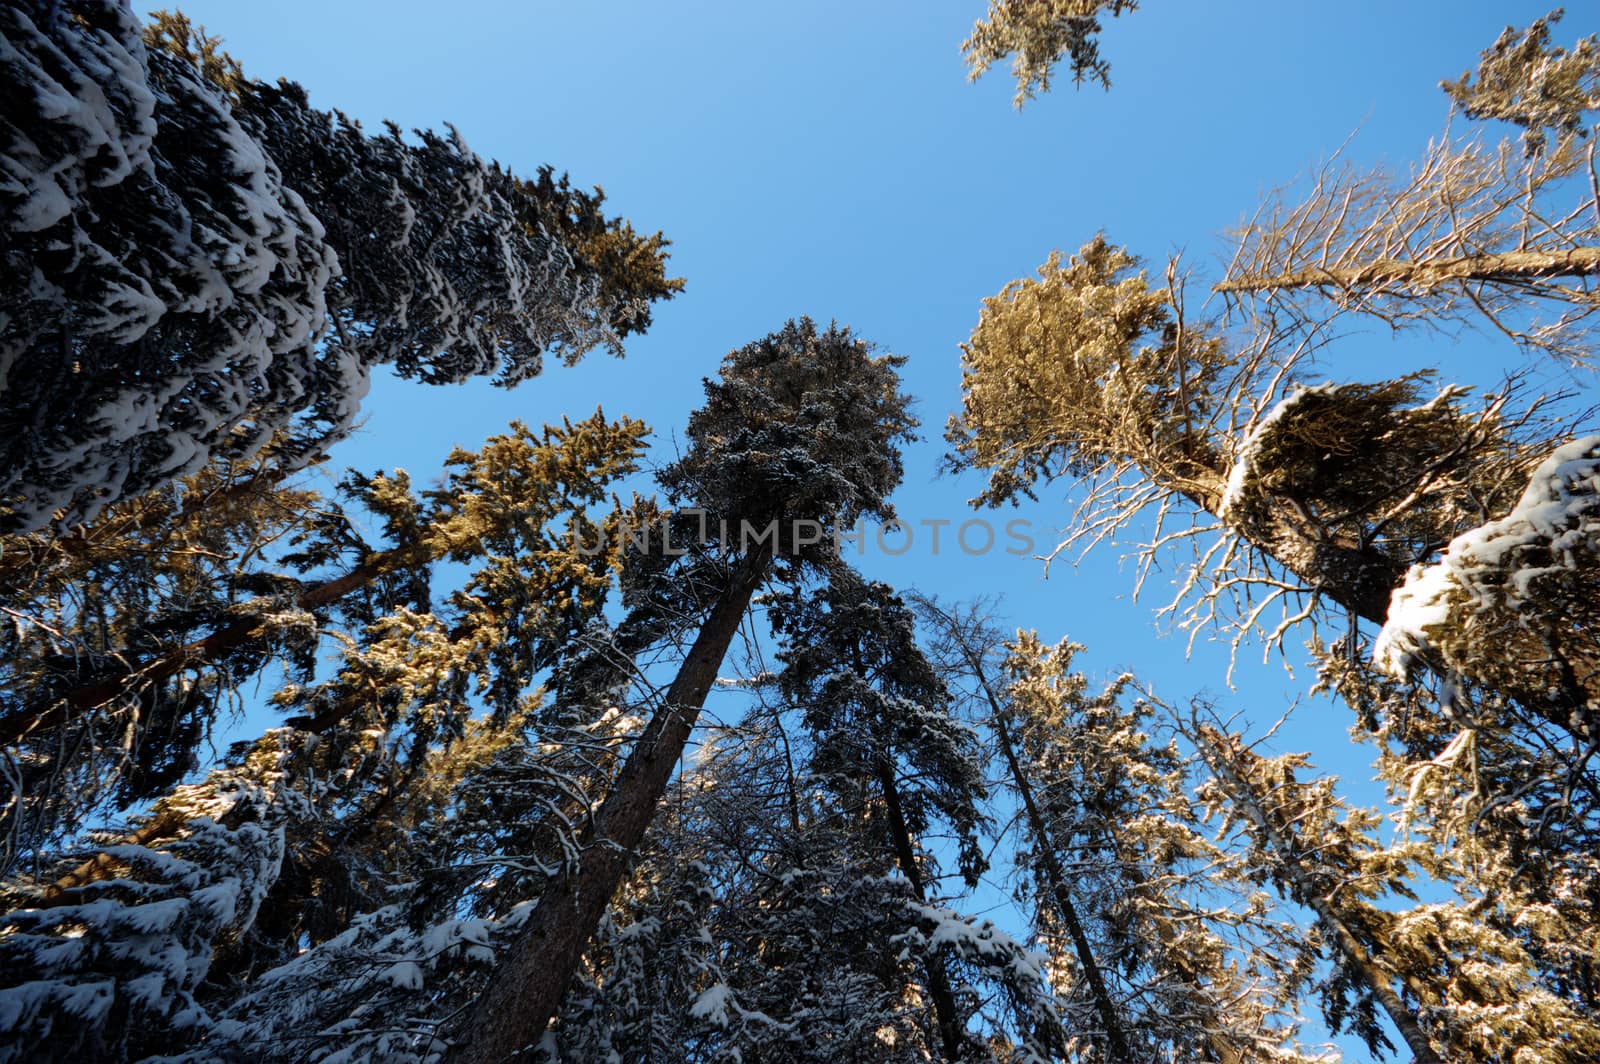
[
  {"x": 150, "y": 573},
  {"x": 1039, "y": 34},
  {"x": 112, "y": 969},
  {"x": 882, "y": 736},
  {"x": 764, "y": 923},
  {"x": 1161, "y": 949},
  {"x": 1500, "y": 806},
  {"x": 1453, "y": 986},
  {"x": 374, "y": 754},
  {"x": 1529, "y": 82},
  {"x": 1320, "y": 499},
  {"x": 1328, "y": 495},
  {"x": 801, "y": 427},
  {"x": 139, "y": 628},
  {"x": 240, "y": 262}
]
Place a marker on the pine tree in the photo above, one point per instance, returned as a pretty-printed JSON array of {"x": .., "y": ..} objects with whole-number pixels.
[
  {"x": 422, "y": 871},
  {"x": 376, "y": 751},
  {"x": 1527, "y": 81},
  {"x": 136, "y": 631},
  {"x": 242, "y": 262},
  {"x": 1040, "y": 35},
  {"x": 112, "y": 967},
  {"x": 1163, "y": 951},
  {"x": 1319, "y": 499},
  {"x": 764, "y": 923},
  {"x": 1498, "y": 808},
  {"x": 1327, "y": 495},
  {"x": 772, "y": 915},
  {"x": 146, "y": 575},
  {"x": 1323, "y": 856},
  {"x": 1452, "y": 984},
  {"x": 1090, "y": 374},
  {"x": 801, "y": 427},
  {"x": 882, "y": 736}
]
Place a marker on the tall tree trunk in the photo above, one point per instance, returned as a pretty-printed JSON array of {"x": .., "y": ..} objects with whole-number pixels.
[
  {"x": 1360, "y": 959},
  {"x": 1508, "y": 267},
  {"x": 526, "y": 987},
  {"x": 944, "y": 999},
  {"x": 1359, "y": 577}
]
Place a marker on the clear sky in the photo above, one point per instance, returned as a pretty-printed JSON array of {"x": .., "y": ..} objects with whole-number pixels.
[{"x": 827, "y": 158}]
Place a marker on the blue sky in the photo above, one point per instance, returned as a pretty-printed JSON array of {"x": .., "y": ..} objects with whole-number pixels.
[{"x": 830, "y": 159}]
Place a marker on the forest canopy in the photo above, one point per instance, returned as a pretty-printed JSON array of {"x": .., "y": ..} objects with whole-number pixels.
[{"x": 540, "y": 754}]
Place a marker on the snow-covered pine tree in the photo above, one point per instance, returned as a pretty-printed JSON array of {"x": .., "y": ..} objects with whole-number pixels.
[
  {"x": 197, "y": 262},
  {"x": 1325, "y": 856},
  {"x": 111, "y": 967},
  {"x": 883, "y": 738},
  {"x": 1503, "y": 808},
  {"x": 751, "y": 928},
  {"x": 1038, "y": 34},
  {"x": 135, "y": 631},
  {"x": 149, "y": 573},
  {"x": 770, "y": 917},
  {"x": 424, "y": 867},
  {"x": 1315, "y": 502},
  {"x": 379, "y": 752},
  {"x": 802, "y": 426},
  {"x": 1453, "y": 985},
  {"x": 1318, "y": 500},
  {"x": 1161, "y": 949},
  {"x": 1091, "y": 374}
]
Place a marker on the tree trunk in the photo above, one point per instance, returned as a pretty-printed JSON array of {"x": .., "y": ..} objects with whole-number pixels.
[
  {"x": 1507, "y": 268},
  {"x": 1356, "y": 955},
  {"x": 944, "y": 999},
  {"x": 527, "y": 984},
  {"x": 1360, "y": 578}
]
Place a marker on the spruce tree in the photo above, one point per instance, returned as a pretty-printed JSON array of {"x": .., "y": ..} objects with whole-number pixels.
[
  {"x": 1160, "y": 947},
  {"x": 1499, "y": 807},
  {"x": 370, "y": 756},
  {"x": 112, "y": 968},
  {"x": 882, "y": 735},
  {"x": 1039, "y": 35},
  {"x": 140, "y": 628},
  {"x": 802, "y": 426},
  {"x": 1451, "y": 983},
  {"x": 765, "y": 921},
  {"x": 241, "y": 263}
]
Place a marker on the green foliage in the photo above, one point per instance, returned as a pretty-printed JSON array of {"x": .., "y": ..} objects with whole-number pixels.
[
  {"x": 1040, "y": 33},
  {"x": 801, "y": 425},
  {"x": 1082, "y": 372},
  {"x": 1526, "y": 81}
]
